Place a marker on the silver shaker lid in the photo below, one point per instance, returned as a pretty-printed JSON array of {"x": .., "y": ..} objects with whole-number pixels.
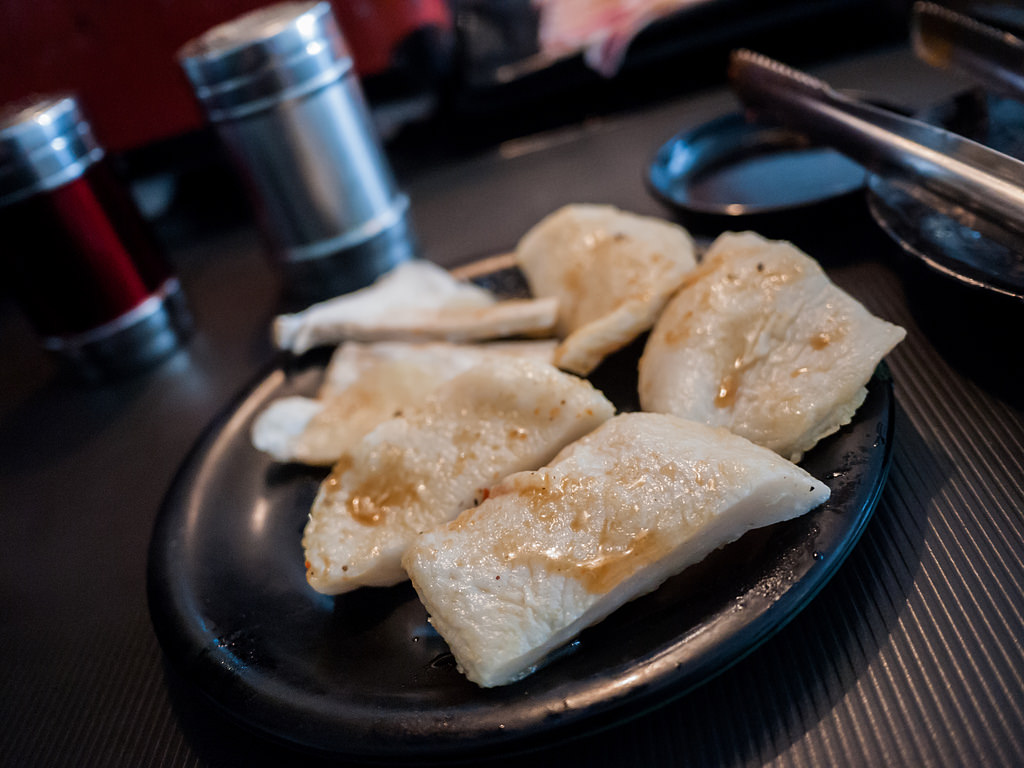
[
  {"x": 279, "y": 52},
  {"x": 44, "y": 142}
]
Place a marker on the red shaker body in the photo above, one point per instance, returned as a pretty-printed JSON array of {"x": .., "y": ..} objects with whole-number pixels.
[
  {"x": 79, "y": 255},
  {"x": 76, "y": 253}
]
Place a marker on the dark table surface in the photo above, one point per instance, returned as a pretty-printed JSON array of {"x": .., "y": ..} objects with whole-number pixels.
[{"x": 911, "y": 655}]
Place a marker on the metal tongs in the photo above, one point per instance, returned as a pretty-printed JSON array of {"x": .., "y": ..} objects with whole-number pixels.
[
  {"x": 948, "y": 172},
  {"x": 946, "y": 39}
]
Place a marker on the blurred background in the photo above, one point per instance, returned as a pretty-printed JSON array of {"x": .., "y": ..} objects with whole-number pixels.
[
  {"x": 467, "y": 71},
  {"x": 442, "y": 76}
]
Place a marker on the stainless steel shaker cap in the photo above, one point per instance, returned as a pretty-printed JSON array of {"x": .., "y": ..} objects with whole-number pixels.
[
  {"x": 44, "y": 142},
  {"x": 265, "y": 56}
]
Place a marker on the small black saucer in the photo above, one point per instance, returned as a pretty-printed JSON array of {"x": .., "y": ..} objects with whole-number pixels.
[{"x": 731, "y": 168}]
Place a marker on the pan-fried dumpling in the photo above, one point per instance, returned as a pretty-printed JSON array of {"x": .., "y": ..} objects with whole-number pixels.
[
  {"x": 611, "y": 271},
  {"x": 353, "y": 358},
  {"x": 415, "y": 301},
  {"x": 422, "y": 468},
  {"x": 760, "y": 341},
  {"x": 366, "y": 384},
  {"x": 553, "y": 551}
]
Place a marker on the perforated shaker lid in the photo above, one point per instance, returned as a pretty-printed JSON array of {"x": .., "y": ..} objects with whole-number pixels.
[
  {"x": 264, "y": 56},
  {"x": 45, "y": 142}
]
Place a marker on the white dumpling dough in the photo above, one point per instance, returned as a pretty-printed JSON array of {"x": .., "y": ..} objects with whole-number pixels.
[
  {"x": 760, "y": 341},
  {"x": 415, "y": 301},
  {"x": 553, "y": 551},
  {"x": 365, "y": 384},
  {"x": 611, "y": 271},
  {"x": 424, "y": 467}
]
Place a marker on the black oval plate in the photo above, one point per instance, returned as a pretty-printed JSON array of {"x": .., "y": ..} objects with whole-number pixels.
[{"x": 364, "y": 674}]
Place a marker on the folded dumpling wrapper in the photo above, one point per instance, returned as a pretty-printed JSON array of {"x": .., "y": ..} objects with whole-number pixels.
[
  {"x": 423, "y": 468},
  {"x": 612, "y": 272},
  {"x": 352, "y": 359},
  {"x": 552, "y": 551},
  {"x": 759, "y": 340},
  {"x": 415, "y": 301},
  {"x": 365, "y": 384}
]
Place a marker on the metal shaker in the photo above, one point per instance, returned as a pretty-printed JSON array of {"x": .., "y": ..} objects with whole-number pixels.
[
  {"x": 278, "y": 85},
  {"x": 74, "y": 250}
]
